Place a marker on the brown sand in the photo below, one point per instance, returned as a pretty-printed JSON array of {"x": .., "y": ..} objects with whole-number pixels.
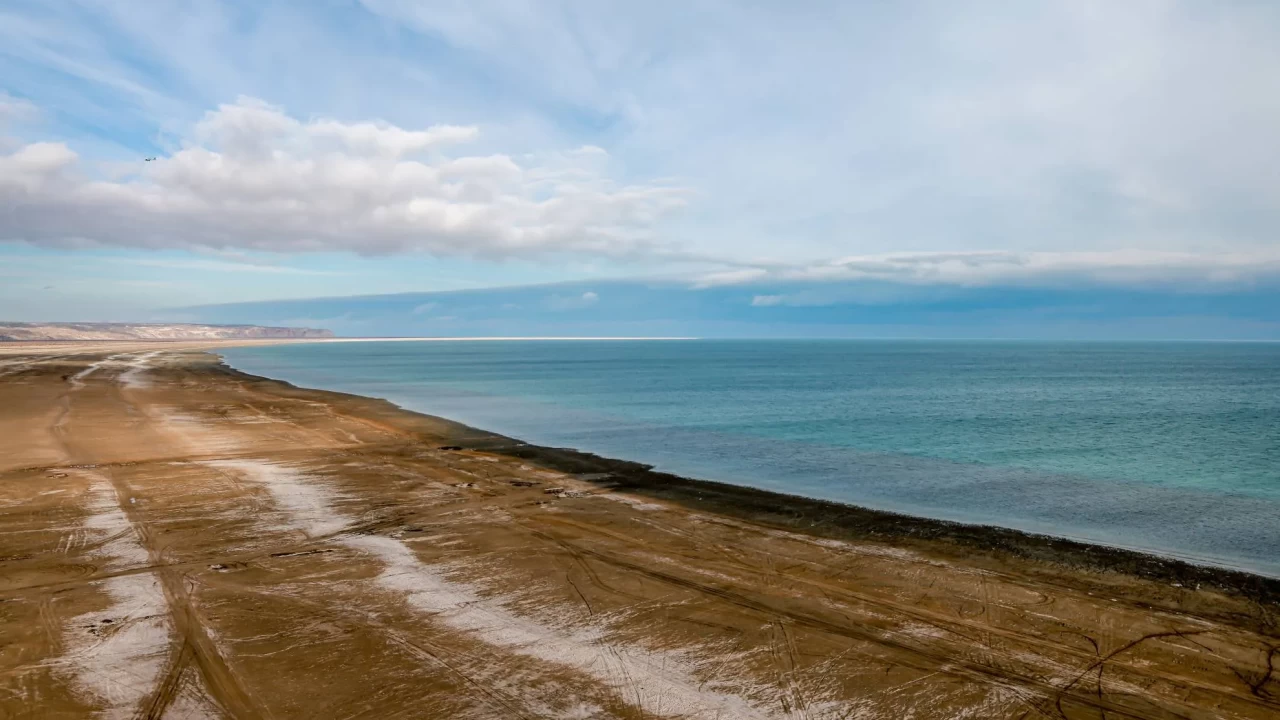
[{"x": 178, "y": 540}]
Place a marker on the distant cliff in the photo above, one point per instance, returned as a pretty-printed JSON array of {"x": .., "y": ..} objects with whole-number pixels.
[{"x": 13, "y": 332}]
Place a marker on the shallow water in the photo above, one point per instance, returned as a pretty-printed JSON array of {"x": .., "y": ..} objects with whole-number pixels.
[{"x": 1170, "y": 447}]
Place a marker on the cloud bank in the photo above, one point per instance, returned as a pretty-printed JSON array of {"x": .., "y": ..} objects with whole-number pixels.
[
  {"x": 1008, "y": 268},
  {"x": 250, "y": 176},
  {"x": 867, "y": 308}
]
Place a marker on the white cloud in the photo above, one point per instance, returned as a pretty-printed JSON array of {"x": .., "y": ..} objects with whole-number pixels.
[
  {"x": 253, "y": 129},
  {"x": 1053, "y": 126},
  {"x": 766, "y": 300},
  {"x": 15, "y": 109},
  {"x": 425, "y": 308},
  {"x": 217, "y": 266},
  {"x": 253, "y": 177},
  {"x": 1079, "y": 138},
  {"x": 1124, "y": 267},
  {"x": 573, "y": 302},
  {"x": 591, "y": 150},
  {"x": 731, "y": 277}
]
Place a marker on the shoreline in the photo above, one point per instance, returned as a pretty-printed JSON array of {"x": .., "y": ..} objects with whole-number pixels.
[
  {"x": 230, "y": 342},
  {"x": 233, "y": 545},
  {"x": 833, "y": 519}
]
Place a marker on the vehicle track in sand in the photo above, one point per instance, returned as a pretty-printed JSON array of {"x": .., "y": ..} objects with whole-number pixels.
[
  {"x": 983, "y": 672},
  {"x": 193, "y": 643}
]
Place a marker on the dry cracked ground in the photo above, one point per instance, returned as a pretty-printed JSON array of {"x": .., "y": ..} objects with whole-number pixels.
[{"x": 180, "y": 541}]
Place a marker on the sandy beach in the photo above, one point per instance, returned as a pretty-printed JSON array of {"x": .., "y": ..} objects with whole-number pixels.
[{"x": 180, "y": 540}]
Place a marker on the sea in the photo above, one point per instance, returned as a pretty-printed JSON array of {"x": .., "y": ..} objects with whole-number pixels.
[{"x": 1169, "y": 448}]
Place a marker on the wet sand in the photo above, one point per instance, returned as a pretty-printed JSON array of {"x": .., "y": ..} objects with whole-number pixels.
[{"x": 179, "y": 540}]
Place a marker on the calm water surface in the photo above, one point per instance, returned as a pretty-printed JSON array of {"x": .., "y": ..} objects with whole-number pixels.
[{"x": 1169, "y": 447}]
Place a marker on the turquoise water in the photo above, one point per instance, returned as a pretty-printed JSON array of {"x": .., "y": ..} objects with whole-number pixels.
[{"x": 1167, "y": 447}]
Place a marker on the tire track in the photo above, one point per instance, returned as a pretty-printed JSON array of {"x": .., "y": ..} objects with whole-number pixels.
[
  {"x": 972, "y": 633},
  {"x": 918, "y": 658},
  {"x": 151, "y": 696},
  {"x": 648, "y": 677}
]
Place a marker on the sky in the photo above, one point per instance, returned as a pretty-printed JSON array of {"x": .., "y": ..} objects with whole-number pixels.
[{"x": 731, "y": 168}]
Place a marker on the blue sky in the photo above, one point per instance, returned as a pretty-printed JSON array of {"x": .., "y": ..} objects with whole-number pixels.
[{"x": 878, "y": 159}]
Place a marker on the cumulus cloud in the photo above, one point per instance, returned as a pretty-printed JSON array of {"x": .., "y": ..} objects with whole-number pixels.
[{"x": 250, "y": 176}]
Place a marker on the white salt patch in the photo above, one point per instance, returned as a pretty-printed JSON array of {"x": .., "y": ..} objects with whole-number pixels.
[
  {"x": 874, "y": 550},
  {"x": 77, "y": 380},
  {"x": 121, "y": 547},
  {"x": 637, "y": 504},
  {"x": 660, "y": 682},
  {"x": 132, "y": 378},
  {"x": 117, "y": 655},
  {"x": 305, "y": 502},
  {"x": 922, "y": 631},
  {"x": 703, "y": 571},
  {"x": 200, "y": 436},
  {"x": 656, "y": 681},
  {"x": 191, "y": 704},
  {"x": 257, "y": 420},
  {"x": 871, "y": 550},
  {"x": 581, "y": 711}
]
